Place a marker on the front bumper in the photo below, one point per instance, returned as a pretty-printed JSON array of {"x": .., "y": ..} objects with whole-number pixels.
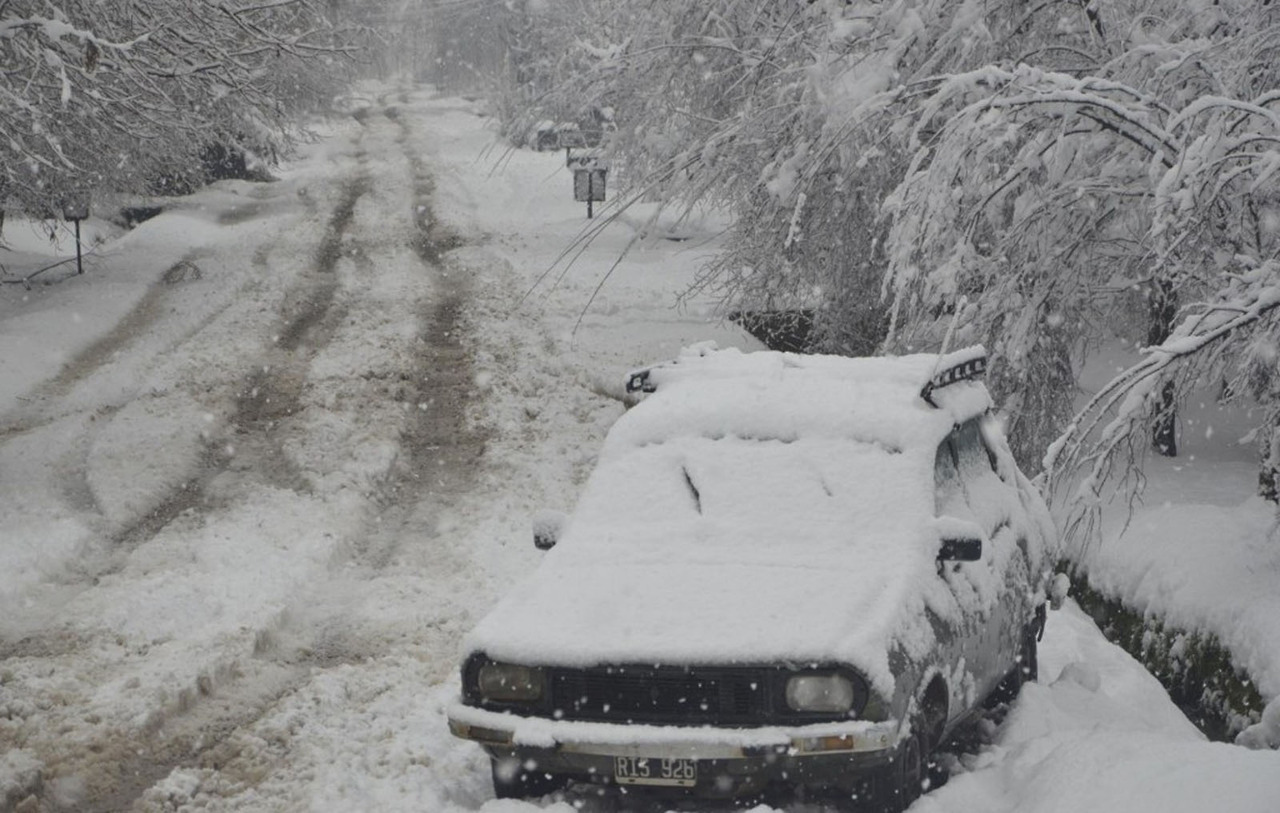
[{"x": 730, "y": 761}]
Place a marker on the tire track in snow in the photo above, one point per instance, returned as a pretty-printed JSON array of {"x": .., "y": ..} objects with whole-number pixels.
[
  {"x": 439, "y": 455},
  {"x": 97, "y": 355},
  {"x": 114, "y": 769},
  {"x": 269, "y": 397},
  {"x": 443, "y": 449},
  {"x": 439, "y": 450},
  {"x": 272, "y": 393}
]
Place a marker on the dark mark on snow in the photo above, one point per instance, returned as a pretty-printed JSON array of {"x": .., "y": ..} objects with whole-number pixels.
[
  {"x": 442, "y": 448},
  {"x": 240, "y": 214},
  {"x": 134, "y": 326},
  {"x": 181, "y": 271}
]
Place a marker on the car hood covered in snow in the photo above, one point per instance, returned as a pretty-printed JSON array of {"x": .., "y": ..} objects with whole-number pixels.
[{"x": 742, "y": 520}]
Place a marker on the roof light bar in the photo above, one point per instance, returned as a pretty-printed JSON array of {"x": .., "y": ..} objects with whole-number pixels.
[{"x": 964, "y": 371}]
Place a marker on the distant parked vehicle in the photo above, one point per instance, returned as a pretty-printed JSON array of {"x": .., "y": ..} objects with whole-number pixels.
[
  {"x": 591, "y": 130},
  {"x": 786, "y": 570}
]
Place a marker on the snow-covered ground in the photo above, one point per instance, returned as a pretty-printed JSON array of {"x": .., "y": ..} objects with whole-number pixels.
[
  {"x": 280, "y": 448},
  {"x": 1199, "y": 551}
]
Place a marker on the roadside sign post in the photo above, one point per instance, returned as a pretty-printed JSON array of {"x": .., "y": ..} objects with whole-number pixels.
[
  {"x": 76, "y": 208},
  {"x": 570, "y": 140},
  {"x": 590, "y": 176}
]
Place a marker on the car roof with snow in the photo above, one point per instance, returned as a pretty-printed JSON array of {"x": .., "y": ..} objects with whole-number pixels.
[
  {"x": 788, "y": 396},
  {"x": 743, "y": 486}
]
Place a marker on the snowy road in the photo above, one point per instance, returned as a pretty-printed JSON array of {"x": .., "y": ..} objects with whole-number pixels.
[
  {"x": 213, "y": 491},
  {"x": 268, "y": 462}
]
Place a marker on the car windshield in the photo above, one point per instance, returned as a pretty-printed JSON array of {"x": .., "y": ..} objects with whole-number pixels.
[{"x": 752, "y": 497}]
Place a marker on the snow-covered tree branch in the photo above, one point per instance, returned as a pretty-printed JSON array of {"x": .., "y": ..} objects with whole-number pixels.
[
  {"x": 1048, "y": 197},
  {"x": 1236, "y": 337},
  {"x": 128, "y": 93}
]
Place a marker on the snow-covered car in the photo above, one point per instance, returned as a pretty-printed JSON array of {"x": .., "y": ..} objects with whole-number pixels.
[{"x": 784, "y": 570}]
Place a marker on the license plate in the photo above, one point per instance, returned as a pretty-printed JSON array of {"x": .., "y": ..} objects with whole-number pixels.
[{"x": 674, "y": 773}]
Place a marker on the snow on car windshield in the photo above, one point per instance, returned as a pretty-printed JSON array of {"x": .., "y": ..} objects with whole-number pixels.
[{"x": 765, "y": 500}]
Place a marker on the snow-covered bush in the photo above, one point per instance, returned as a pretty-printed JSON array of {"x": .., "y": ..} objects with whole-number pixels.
[{"x": 1193, "y": 666}]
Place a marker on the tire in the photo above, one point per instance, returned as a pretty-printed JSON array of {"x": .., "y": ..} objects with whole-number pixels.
[
  {"x": 511, "y": 780},
  {"x": 910, "y": 770}
]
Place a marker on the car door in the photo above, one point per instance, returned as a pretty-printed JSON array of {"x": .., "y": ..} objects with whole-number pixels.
[{"x": 969, "y": 488}]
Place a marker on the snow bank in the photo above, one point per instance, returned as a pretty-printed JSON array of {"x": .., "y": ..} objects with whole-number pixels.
[
  {"x": 1203, "y": 568},
  {"x": 38, "y": 537},
  {"x": 1098, "y": 734},
  {"x": 144, "y": 449}
]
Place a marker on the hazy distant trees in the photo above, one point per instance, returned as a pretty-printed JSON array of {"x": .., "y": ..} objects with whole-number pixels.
[
  {"x": 1042, "y": 177},
  {"x": 459, "y": 46},
  {"x": 130, "y": 93}
]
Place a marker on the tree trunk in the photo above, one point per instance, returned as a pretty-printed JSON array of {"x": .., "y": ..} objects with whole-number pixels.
[
  {"x": 1269, "y": 472},
  {"x": 1162, "y": 310}
]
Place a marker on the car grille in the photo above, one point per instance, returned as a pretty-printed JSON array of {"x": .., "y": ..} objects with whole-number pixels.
[{"x": 684, "y": 696}]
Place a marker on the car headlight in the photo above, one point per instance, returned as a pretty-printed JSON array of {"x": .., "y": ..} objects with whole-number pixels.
[
  {"x": 510, "y": 683},
  {"x": 828, "y": 693}
]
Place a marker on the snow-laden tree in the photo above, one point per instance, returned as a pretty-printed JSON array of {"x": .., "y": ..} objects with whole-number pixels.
[
  {"x": 128, "y": 93},
  {"x": 787, "y": 113},
  {"x": 1037, "y": 176},
  {"x": 1037, "y": 198}
]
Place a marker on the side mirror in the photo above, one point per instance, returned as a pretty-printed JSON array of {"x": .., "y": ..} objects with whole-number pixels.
[
  {"x": 547, "y": 527},
  {"x": 967, "y": 549}
]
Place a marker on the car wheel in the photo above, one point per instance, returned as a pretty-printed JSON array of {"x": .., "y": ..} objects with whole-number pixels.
[
  {"x": 513, "y": 780},
  {"x": 909, "y": 770}
]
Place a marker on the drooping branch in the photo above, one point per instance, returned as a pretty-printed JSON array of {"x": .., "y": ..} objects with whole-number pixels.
[{"x": 1115, "y": 421}]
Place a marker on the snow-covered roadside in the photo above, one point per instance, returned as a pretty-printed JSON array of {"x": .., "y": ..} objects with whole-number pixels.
[
  {"x": 1097, "y": 733},
  {"x": 363, "y": 655},
  {"x": 1203, "y": 568},
  {"x": 1198, "y": 553}
]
